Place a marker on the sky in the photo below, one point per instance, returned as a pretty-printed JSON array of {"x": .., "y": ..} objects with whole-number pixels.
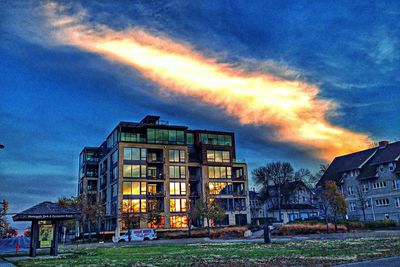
[{"x": 300, "y": 81}]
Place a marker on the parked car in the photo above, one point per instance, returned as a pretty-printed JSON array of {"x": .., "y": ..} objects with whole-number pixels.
[{"x": 138, "y": 235}]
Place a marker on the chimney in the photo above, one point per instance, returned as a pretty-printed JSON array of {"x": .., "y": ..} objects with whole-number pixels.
[{"x": 383, "y": 144}]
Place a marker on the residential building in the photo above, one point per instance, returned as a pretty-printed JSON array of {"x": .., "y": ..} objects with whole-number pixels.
[
  {"x": 370, "y": 181},
  {"x": 297, "y": 202},
  {"x": 257, "y": 210},
  {"x": 151, "y": 166}
]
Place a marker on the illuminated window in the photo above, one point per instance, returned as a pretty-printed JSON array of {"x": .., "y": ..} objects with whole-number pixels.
[
  {"x": 177, "y": 171},
  {"x": 152, "y": 188},
  {"x": 219, "y": 172},
  {"x": 177, "y": 155},
  {"x": 134, "y": 171},
  {"x": 179, "y": 221},
  {"x": 218, "y": 156},
  {"x": 127, "y": 189},
  {"x": 134, "y": 188},
  {"x": 156, "y": 225},
  {"x": 216, "y": 139},
  {"x": 134, "y": 205},
  {"x": 217, "y": 188},
  {"x": 177, "y": 205},
  {"x": 177, "y": 188}
]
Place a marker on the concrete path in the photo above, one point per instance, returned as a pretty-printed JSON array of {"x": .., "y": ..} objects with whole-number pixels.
[{"x": 387, "y": 262}]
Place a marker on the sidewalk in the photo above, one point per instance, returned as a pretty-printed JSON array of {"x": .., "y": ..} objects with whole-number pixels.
[
  {"x": 4, "y": 263},
  {"x": 387, "y": 262}
]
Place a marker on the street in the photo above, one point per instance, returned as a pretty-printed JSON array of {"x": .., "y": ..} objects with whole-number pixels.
[{"x": 7, "y": 245}]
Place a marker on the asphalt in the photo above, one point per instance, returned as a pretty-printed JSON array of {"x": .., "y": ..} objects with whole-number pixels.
[
  {"x": 386, "y": 262},
  {"x": 8, "y": 245}
]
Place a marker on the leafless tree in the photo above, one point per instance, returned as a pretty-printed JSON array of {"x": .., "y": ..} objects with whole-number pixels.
[
  {"x": 275, "y": 174},
  {"x": 362, "y": 199}
]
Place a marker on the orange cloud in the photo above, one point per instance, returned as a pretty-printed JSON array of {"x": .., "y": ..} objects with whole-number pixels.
[{"x": 291, "y": 108}]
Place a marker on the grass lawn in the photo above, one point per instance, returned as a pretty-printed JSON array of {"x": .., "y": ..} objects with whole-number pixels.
[{"x": 309, "y": 253}]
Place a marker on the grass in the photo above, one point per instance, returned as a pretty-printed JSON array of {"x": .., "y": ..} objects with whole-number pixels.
[{"x": 308, "y": 253}]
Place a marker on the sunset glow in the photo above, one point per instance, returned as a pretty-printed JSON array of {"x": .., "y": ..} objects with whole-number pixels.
[{"x": 291, "y": 108}]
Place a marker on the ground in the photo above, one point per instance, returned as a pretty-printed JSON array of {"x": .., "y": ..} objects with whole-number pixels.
[{"x": 308, "y": 253}]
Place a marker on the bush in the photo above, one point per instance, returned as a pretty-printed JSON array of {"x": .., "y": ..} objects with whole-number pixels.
[
  {"x": 226, "y": 232},
  {"x": 303, "y": 229},
  {"x": 381, "y": 224}
]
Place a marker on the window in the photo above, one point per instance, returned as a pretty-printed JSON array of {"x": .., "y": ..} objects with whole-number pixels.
[
  {"x": 177, "y": 172},
  {"x": 177, "y": 155},
  {"x": 134, "y": 205},
  {"x": 218, "y": 156},
  {"x": 216, "y": 172},
  {"x": 114, "y": 157},
  {"x": 367, "y": 204},
  {"x": 132, "y": 153},
  {"x": 352, "y": 206},
  {"x": 132, "y": 137},
  {"x": 178, "y": 221},
  {"x": 189, "y": 139},
  {"x": 177, "y": 188},
  {"x": 177, "y": 205},
  {"x": 217, "y": 188},
  {"x": 350, "y": 191},
  {"x": 396, "y": 184},
  {"x": 134, "y": 171},
  {"x": 134, "y": 188},
  {"x": 216, "y": 139},
  {"x": 365, "y": 188},
  {"x": 165, "y": 136},
  {"x": 397, "y": 202},
  {"x": 382, "y": 202},
  {"x": 378, "y": 185}
]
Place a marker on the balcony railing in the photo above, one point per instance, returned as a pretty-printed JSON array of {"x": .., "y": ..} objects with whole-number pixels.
[
  {"x": 155, "y": 194},
  {"x": 157, "y": 177},
  {"x": 242, "y": 193},
  {"x": 156, "y": 160}
]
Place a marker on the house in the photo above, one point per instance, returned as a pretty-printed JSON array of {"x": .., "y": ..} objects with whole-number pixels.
[
  {"x": 370, "y": 181},
  {"x": 257, "y": 210}
]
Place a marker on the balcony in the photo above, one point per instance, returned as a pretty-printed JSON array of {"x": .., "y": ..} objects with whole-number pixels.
[
  {"x": 155, "y": 194},
  {"x": 240, "y": 194},
  {"x": 157, "y": 177},
  {"x": 194, "y": 178},
  {"x": 158, "y": 160}
]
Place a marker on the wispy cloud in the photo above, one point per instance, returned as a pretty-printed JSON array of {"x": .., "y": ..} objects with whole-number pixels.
[{"x": 275, "y": 99}]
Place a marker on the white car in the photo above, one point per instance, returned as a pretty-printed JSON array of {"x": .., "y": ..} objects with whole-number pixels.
[{"x": 139, "y": 235}]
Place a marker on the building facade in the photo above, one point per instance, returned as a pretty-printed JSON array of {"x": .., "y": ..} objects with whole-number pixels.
[
  {"x": 297, "y": 202},
  {"x": 151, "y": 166},
  {"x": 370, "y": 182}
]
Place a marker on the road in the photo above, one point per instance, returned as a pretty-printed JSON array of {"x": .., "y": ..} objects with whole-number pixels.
[{"x": 7, "y": 245}]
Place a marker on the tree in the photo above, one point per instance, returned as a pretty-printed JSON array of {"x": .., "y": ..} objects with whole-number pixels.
[
  {"x": 154, "y": 216},
  {"x": 362, "y": 199},
  {"x": 306, "y": 177},
  {"x": 92, "y": 212},
  {"x": 208, "y": 210},
  {"x": 335, "y": 199},
  {"x": 276, "y": 174}
]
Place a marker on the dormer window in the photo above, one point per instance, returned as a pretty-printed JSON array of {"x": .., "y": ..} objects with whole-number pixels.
[{"x": 392, "y": 166}]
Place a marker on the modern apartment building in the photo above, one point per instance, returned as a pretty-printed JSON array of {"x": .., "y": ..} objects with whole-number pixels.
[
  {"x": 370, "y": 181},
  {"x": 153, "y": 166}
]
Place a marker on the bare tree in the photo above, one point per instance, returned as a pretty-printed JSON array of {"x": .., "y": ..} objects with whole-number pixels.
[
  {"x": 362, "y": 199},
  {"x": 276, "y": 174}
]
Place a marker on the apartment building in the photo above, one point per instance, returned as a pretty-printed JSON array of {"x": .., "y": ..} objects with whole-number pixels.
[
  {"x": 149, "y": 166},
  {"x": 370, "y": 181}
]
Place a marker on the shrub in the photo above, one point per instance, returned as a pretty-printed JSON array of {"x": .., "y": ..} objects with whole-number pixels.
[
  {"x": 296, "y": 229},
  {"x": 381, "y": 224},
  {"x": 225, "y": 232}
]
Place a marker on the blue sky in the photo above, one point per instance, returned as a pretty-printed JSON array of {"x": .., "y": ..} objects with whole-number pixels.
[{"x": 55, "y": 98}]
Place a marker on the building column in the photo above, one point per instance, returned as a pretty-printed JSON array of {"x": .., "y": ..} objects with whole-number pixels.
[
  {"x": 54, "y": 242},
  {"x": 34, "y": 238}
]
